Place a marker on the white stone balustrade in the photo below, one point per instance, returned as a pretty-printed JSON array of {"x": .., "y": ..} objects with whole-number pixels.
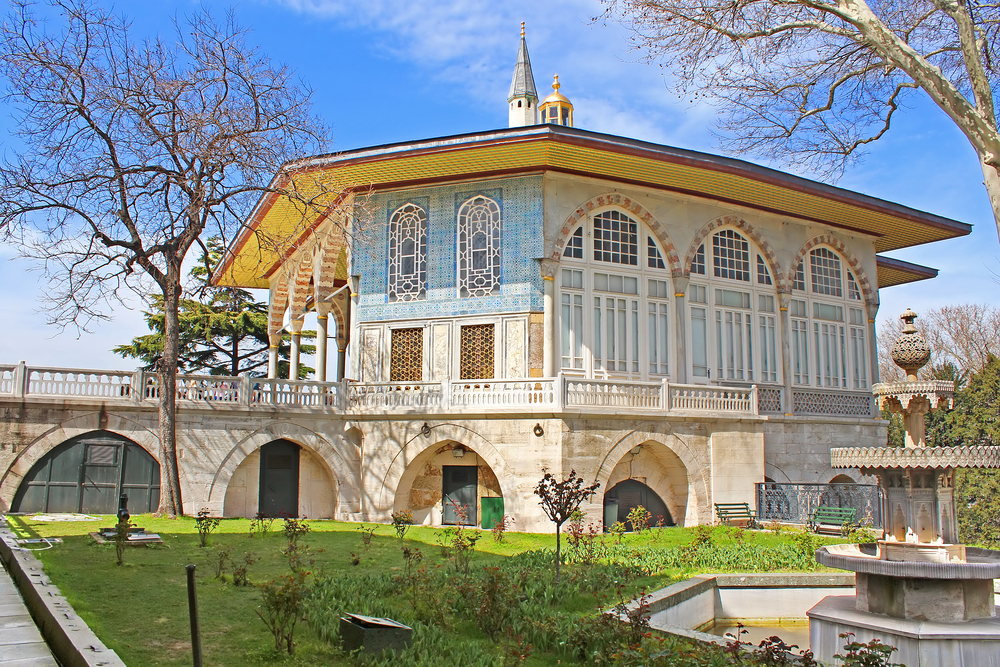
[{"x": 550, "y": 395}]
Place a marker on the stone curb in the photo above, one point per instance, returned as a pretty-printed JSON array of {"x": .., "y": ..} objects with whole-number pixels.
[{"x": 69, "y": 638}]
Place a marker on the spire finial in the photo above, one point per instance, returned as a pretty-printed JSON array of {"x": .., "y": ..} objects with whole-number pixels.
[
  {"x": 522, "y": 28},
  {"x": 555, "y": 83}
]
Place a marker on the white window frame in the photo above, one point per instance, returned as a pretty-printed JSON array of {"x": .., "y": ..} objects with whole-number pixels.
[{"x": 479, "y": 220}]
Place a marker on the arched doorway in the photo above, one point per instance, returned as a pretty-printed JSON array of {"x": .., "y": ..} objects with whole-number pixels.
[
  {"x": 450, "y": 484},
  {"x": 282, "y": 479},
  {"x": 87, "y": 474},
  {"x": 629, "y": 494}
]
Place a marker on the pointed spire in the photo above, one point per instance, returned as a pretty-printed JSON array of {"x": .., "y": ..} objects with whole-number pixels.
[{"x": 522, "y": 84}]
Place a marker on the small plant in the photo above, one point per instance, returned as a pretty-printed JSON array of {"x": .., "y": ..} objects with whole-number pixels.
[
  {"x": 495, "y": 601},
  {"x": 294, "y": 529},
  {"x": 241, "y": 571},
  {"x": 617, "y": 529},
  {"x": 282, "y": 601},
  {"x": 635, "y": 614},
  {"x": 222, "y": 561},
  {"x": 774, "y": 652},
  {"x": 366, "y": 535},
  {"x": 559, "y": 499},
  {"x": 260, "y": 525},
  {"x": 515, "y": 650},
  {"x": 411, "y": 558},
  {"x": 206, "y": 524},
  {"x": 574, "y": 529},
  {"x": 639, "y": 517},
  {"x": 121, "y": 539},
  {"x": 860, "y": 535},
  {"x": 500, "y": 527},
  {"x": 401, "y": 521},
  {"x": 463, "y": 540},
  {"x": 355, "y": 559},
  {"x": 871, "y": 654}
]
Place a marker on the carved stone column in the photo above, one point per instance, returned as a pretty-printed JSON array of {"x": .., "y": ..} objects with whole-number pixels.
[
  {"x": 295, "y": 326},
  {"x": 871, "y": 309},
  {"x": 680, "y": 322},
  {"x": 350, "y": 324},
  {"x": 322, "y": 331},
  {"x": 787, "y": 399},
  {"x": 548, "y": 268},
  {"x": 274, "y": 343}
]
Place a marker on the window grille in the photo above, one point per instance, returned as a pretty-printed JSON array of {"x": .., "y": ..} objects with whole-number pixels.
[
  {"x": 731, "y": 256},
  {"x": 477, "y": 352},
  {"x": 763, "y": 275},
  {"x": 616, "y": 238},
  {"x": 574, "y": 248},
  {"x": 698, "y": 263},
  {"x": 655, "y": 260},
  {"x": 479, "y": 247},
  {"x": 407, "y": 253},
  {"x": 407, "y": 355},
  {"x": 825, "y": 269}
]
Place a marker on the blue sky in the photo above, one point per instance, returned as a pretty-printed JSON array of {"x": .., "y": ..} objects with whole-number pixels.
[{"x": 386, "y": 71}]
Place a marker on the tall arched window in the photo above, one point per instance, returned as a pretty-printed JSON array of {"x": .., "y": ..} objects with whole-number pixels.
[
  {"x": 407, "y": 253},
  {"x": 614, "y": 296},
  {"x": 827, "y": 337},
  {"x": 733, "y": 323},
  {"x": 479, "y": 247}
]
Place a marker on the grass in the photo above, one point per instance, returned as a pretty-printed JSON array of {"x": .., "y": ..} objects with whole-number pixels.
[{"x": 140, "y": 609}]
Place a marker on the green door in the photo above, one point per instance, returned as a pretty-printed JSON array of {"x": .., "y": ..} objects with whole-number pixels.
[{"x": 492, "y": 511}]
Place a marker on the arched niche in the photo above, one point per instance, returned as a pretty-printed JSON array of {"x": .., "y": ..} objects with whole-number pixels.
[{"x": 278, "y": 476}]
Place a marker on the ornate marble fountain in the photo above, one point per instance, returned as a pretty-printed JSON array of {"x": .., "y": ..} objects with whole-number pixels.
[{"x": 918, "y": 588}]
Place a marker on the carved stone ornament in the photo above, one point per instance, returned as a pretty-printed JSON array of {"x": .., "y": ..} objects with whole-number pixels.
[
  {"x": 910, "y": 351},
  {"x": 939, "y": 393},
  {"x": 874, "y": 458}
]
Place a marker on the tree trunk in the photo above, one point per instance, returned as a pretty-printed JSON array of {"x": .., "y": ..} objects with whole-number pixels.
[
  {"x": 170, "y": 486},
  {"x": 991, "y": 179},
  {"x": 558, "y": 555}
]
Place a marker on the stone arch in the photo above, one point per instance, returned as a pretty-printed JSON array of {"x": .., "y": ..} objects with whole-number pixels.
[
  {"x": 277, "y": 305},
  {"x": 746, "y": 228},
  {"x": 66, "y": 430},
  {"x": 342, "y": 462},
  {"x": 324, "y": 267},
  {"x": 698, "y": 502},
  {"x": 842, "y": 478},
  {"x": 384, "y": 497},
  {"x": 618, "y": 200},
  {"x": 299, "y": 290},
  {"x": 774, "y": 474},
  {"x": 869, "y": 293}
]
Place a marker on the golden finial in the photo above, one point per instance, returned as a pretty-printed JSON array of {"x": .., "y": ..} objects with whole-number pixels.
[
  {"x": 555, "y": 83},
  {"x": 522, "y": 28}
]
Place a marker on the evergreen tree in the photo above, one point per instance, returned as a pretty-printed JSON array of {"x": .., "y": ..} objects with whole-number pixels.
[{"x": 223, "y": 330}]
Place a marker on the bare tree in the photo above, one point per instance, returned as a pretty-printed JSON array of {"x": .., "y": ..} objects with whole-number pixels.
[
  {"x": 964, "y": 335},
  {"x": 814, "y": 81},
  {"x": 132, "y": 150},
  {"x": 559, "y": 499}
]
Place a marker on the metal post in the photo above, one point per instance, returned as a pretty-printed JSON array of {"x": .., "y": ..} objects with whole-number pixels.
[{"x": 193, "y": 612}]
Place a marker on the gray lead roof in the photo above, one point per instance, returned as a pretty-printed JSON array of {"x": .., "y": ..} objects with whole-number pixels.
[{"x": 522, "y": 84}]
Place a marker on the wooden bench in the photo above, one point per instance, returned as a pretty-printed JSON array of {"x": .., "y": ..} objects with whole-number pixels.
[
  {"x": 729, "y": 512},
  {"x": 831, "y": 517}
]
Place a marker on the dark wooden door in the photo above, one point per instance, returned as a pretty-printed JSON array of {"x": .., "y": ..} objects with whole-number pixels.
[
  {"x": 459, "y": 491},
  {"x": 279, "y": 479}
]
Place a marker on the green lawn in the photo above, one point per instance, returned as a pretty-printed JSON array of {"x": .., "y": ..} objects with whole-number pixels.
[{"x": 140, "y": 609}]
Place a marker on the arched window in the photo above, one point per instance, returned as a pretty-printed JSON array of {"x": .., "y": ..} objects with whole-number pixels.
[
  {"x": 827, "y": 337},
  {"x": 733, "y": 323},
  {"x": 407, "y": 253},
  {"x": 479, "y": 247},
  {"x": 614, "y": 313}
]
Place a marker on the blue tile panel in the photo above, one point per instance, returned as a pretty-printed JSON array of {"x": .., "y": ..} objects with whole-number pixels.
[{"x": 520, "y": 201}]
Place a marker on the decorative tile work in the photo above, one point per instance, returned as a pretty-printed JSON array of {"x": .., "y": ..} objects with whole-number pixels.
[{"x": 520, "y": 201}]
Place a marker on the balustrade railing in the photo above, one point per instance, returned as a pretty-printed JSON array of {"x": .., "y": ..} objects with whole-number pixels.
[
  {"x": 794, "y": 503},
  {"x": 581, "y": 392},
  {"x": 552, "y": 394}
]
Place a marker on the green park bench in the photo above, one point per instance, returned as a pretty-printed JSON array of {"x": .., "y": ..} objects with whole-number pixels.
[
  {"x": 831, "y": 518},
  {"x": 729, "y": 512}
]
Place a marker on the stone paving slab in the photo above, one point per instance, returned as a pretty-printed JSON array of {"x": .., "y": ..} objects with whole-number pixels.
[{"x": 21, "y": 644}]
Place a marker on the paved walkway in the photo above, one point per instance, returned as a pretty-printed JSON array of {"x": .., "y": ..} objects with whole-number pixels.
[{"x": 21, "y": 644}]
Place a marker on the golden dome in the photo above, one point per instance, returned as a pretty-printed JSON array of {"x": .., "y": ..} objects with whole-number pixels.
[
  {"x": 556, "y": 108},
  {"x": 556, "y": 96}
]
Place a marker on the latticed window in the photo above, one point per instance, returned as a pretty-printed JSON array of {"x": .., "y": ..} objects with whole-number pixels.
[
  {"x": 799, "y": 279},
  {"x": 407, "y": 253},
  {"x": 616, "y": 238},
  {"x": 479, "y": 247},
  {"x": 698, "y": 263},
  {"x": 852, "y": 288},
  {"x": 763, "y": 275},
  {"x": 575, "y": 246},
  {"x": 407, "y": 355},
  {"x": 825, "y": 268},
  {"x": 731, "y": 256},
  {"x": 477, "y": 352},
  {"x": 654, "y": 259}
]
